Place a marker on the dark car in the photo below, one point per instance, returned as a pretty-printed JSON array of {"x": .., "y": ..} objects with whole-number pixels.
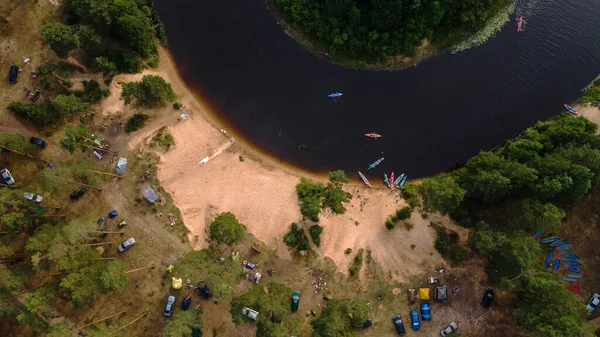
[
  {"x": 399, "y": 325},
  {"x": 295, "y": 300},
  {"x": 195, "y": 332},
  {"x": 13, "y": 73},
  {"x": 425, "y": 311},
  {"x": 414, "y": 318},
  {"x": 38, "y": 142},
  {"x": 488, "y": 296},
  {"x": 186, "y": 302},
  {"x": 78, "y": 193}
]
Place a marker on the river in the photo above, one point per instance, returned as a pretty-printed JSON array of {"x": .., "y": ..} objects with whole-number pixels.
[{"x": 271, "y": 92}]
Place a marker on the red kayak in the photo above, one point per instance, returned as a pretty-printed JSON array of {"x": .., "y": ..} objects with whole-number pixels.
[
  {"x": 373, "y": 135},
  {"x": 520, "y": 24}
]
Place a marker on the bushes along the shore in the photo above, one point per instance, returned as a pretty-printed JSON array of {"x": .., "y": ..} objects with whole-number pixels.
[
  {"x": 151, "y": 91},
  {"x": 315, "y": 196}
]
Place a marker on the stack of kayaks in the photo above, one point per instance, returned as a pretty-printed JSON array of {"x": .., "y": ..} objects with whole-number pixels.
[{"x": 569, "y": 259}]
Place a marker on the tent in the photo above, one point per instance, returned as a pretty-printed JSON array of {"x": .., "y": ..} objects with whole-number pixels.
[
  {"x": 149, "y": 195},
  {"x": 412, "y": 295},
  {"x": 441, "y": 293},
  {"x": 121, "y": 165},
  {"x": 177, "y": 283},
  {"x": 424, "y": 294}
]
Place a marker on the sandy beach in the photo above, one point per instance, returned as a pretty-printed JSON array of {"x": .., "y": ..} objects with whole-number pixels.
[{"x": 261, "y": 193}]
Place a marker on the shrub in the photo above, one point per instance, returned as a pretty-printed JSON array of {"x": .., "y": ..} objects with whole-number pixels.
[
  {"x": 315, "y": 234},
  {"x": 60, "y": 37},
  {"x": 442, "y": 243},
  {"x": 290, "y": 238},
  {"x": 413, "y": 246},
  {"x": 356, "y": 263},
  {"x": 457, "y": 253},
  {"x": 241, "y": 159},
  {"x": 348, "y": 251},
  {"x": 408, "y": 226},
  {"x": 404, "y": 213},
  {"x": 410, "y": 193},
  {"x": 225, "y": 228},
  {"x": 136, "y": 122},
  {"x": 177, "y": 105},
  {"x": 389, "y": 224}
]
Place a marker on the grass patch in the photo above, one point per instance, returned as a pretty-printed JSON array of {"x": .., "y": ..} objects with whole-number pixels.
[
  {"x": 163, "y": 139},
  {"x": 408, "y": 226},
  {"x": 356, "y": 263}
]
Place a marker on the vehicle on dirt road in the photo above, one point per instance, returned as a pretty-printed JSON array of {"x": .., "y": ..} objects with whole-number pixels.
[
  {"x": 426, "y": 311},
  {"x": 38, "y": 142},
  {"x": 169, "y": 306},
  {"x": 593, "y": 303},
  {"x": 414, "y": 319},
  {"x": 7, "y": 177},
  {"x": 126, "y": 245},
  {"x": 451, "y": 327},
  {"x": 295, "y": 300},
  {"x": 33, "y": 197},
  {"x": 488, "y": 296},
  {"x": 398, "y": 324},
  {"x": 78, "y": 193}
]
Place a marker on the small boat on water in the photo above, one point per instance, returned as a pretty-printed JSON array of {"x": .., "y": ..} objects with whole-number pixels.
[
  {"x": 548, "y": 240},
  {"x": 558, "y": 243},
  {"x": 398, "y": 180},
  {"x": 564, "y": 247},
  {"x": 570, "y": 256},
  {"x": 364, "y": 179},
  {"x": 335, "y": 95},
  {"x": 573, "y": 263},
  {"x": 401, "y": 185},
  {"x": 377, "y": 162},
  {"x": 548, "y": 259},
  {"x": 386, "y": 180},
  {"x": 520, "y": 24},
  {"x": 571, "y": 110},
  {"x": 373, "y": 135},
  {"x": 391, "y": 185},
  {"x": 556, "y": 264},
  {"x": 539, "y": 233},
  {"x": 574, "y": 270}
]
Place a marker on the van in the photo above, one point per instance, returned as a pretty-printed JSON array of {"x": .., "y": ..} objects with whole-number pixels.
[{"x": 13, "y": 73}]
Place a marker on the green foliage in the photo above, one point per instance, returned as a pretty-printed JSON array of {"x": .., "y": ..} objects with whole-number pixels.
[
  {"x": 348, "y": 251},
  {"x": 182, "y": 322},
  {"x": 92, "y": 92},
  {"x": 457, "y": 253},
  {"x": 340, "y": 317},
  {"x": 410, "y": 193},
  {"x": 313, "y": 196},
  {"x": 591, "y": 93},
  {"x": 441, "y": 194},
  {"x": 163, "y": 138},
  {"x": 114, "y": 276},
  {"x": 177, "y": 105},
  {"x": 389, "y": 224},
  {"x": 17, "y": 142},
  {"x": 296, "y": 238},
  {"x": 408, "y": 226},
  {"x": 442, "y": 243},
  {"x": 75, "y": 136},
  {"x": 136, "y": 122},
  {"x": 315, "y": 234},
  {"x": 62, "y": 107},
  {"x": 60, "y": 37},
  {"x": 548, "y": 309},
  {"x": 225, "y": 228},
  {"x": 537, "y": 215},
  {"x": 338, "y": 176},
  {"x": 404, "y": 213},
  {"x": 356, "y": 263},
  {"x": 241, "y": 159},
  {"x": 151, "y": 91},
  {"x": 372, "y": 31}
]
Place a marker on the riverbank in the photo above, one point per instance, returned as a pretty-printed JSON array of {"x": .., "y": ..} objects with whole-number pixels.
[{"x": 261, "y": 193}]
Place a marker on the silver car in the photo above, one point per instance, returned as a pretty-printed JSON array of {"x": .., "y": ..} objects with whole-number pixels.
[
  {"x": 33, "y": 197},
  {"x": 6, "y": 177},
  {"x": 126, "y": 245},
  {"x": 169, "y": 306},
  {"x": 449, "y": 329},
  {"x": 593, "y": 303}
]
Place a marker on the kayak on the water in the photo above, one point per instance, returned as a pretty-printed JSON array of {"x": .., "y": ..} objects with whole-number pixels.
[
  {"x": 373, "y": 135},
  {"x": 391, "y": 185},
  {"x": 364, "y": 179},
  {"x": 539, "y": 233},
  {"x": 398, "y": 180},
  {"x": 386, "y": 180},
  {"x": 571, "y": 110},
  {"x": 520, "y": 24},
  {"x": 377, "y": 162},
  {"x": 335, "y": 95}
]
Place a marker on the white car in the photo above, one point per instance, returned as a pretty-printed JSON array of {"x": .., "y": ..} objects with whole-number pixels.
[
  {"x": 593, "y": 303},
  {"x": 449, "y": 329},
  {"x": 6, "y": 177},
  {"x": 33, "y": 197},
  {"x": 126, "y": 245}
]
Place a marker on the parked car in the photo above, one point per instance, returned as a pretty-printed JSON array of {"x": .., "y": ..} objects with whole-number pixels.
[
  {"x": 295, "y": 300},
  {"x": 8, "y": 179},
  {"x": 38, "y": 142},
  {"x": 488, "y": 296},
  {"x": 126, "y": 245},
  {"x": 399, "y": 325},
  {"x": 78, "y": 193},
  {"x": 593, "y": 303},
  {"x": 169, "y": 305},
  {"x": 449, "y": 329},
  {"x": 33, "y": 197},
  {"x": 13, "y": 73},
  {"x": 253, "y": 314},
  {"x": 195, "y": 332},
  {"x": 186, "y": 302},
  {"x": 425, "y": 311},
  {"x": 414, "y": 319}
]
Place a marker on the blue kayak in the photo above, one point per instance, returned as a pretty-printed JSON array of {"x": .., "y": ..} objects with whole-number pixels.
[
  {"x": 570, "y": 256},
  {"x": 548, "y": 240},
  {"x": 574, "y": 276},
  {"x": 335, "y": 95},
  {"x": 568, "y": 279},
  {"x": 548, "y": 259},
  {"x": 539, "y": 233},
  {"x": 573, "y": 263},
  {"x": 564, "y": 247},
  {"x": 574, "y": 270},
  {"x": 556, "y": 264},
  {"x": 401, "y": 185},
  {"x": 558, "y": 243}
]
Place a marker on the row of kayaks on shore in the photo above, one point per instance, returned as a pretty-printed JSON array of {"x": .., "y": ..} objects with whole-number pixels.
[
  {"x": 390, "y": 182},
  {"x": 568, "y": 259}
]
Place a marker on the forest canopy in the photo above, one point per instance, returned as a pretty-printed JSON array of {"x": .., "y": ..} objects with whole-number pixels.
[{"x": 371, "y": 30}]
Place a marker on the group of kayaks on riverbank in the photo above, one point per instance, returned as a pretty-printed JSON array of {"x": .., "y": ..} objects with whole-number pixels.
[
  {"x": 570, "y": 260},
  {"x": 391, "y": 182}
]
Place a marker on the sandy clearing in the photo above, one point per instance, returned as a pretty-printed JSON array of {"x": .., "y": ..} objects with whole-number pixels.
[{"x": 591, "y": 112}]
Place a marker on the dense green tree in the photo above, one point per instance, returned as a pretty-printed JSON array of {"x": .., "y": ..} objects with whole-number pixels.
[
  {"x": 537, "y": 215},
  {"x": 441, "y": 193},
  {"x": 340, "y": 317},
  {"x": 69, "y": 105},
  {"x": 335, "y": 197},
  {"x": 60, "y": 37},
  {"x": 225, "y": 228},
  {"x": 91, "y": 43},
  {"x": 16, "y": 142},
  {"x": 338, "y": 176},
  {"x": 182, "y": 323},
  {"x": 75, "y": 136},
  {"x": 114, "y": 276},
  {"x": 151, "y": 91},
  {"x": 103, "y": 64}
]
